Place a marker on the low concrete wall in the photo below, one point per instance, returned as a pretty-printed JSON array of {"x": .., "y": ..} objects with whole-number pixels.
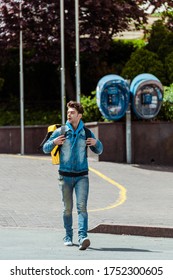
[
  {"x": 10, "y": 139},
  {"x": 152, "y": 142}
]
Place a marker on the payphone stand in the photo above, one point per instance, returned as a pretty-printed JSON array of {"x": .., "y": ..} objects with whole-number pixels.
[
  {"x": 113, "y": 95},
  {"x": 147, "y": 95},
  {"x": 113, "y": 99}
]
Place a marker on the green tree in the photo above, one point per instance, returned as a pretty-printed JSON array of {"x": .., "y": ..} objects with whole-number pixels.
[
  {"x": 144, "y": 61},
  {"x": 169, "y": 66},
  {"x": 99, "y": 21},
  {"x": 157, "y": 35},
  {"x": 160, "y": 39}
]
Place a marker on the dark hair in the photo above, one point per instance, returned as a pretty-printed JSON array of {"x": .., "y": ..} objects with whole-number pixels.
[{"x": 76, "y": 105}]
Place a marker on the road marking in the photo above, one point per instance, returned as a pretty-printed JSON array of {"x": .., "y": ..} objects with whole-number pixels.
[{"x": 122, "y": 191}]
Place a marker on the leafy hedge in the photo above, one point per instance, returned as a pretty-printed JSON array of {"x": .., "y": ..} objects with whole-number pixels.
[
  {"x": 166, "y": 112},
  {"x": 144, "y": 61},
  {"x": 12, "y": 117},
  {"x": 92, "y": 113}
]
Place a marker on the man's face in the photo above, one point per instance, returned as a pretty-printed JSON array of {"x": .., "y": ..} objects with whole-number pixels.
[{"x": 73, "y": 116}]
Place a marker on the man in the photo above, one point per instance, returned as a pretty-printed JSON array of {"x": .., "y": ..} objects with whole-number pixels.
[{"x": 73, "y": 170}]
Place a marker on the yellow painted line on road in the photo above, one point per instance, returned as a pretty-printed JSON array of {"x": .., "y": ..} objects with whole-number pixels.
[
  {"x": 47, "y": 158},
  {"x": 122, "y": 191}
]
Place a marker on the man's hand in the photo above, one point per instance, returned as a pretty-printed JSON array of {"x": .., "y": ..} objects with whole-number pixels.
[
  {"x": 59, "y": 140},
  {"x": 91, "y": 141}
]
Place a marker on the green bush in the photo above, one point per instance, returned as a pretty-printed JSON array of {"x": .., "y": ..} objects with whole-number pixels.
[
  {"x": 157, "y": 35},
  {"x": 47, "y": 117},
  {"x": 91, "y": 114},
  {"x": 40, "y": 117},
  {"x": 169, "y": 66},
  {"x": 160, "y": 39},
  {"x": 144, "y": 61},
  {"x": 91, "y": 111},
  {"x": 166, "y": 112},
  {"x": 8, "y": 117},
  {"x": 166, "y": 46}
]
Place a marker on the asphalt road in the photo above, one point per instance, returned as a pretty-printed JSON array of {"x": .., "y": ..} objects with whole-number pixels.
[{"x": 123, "y": 199}]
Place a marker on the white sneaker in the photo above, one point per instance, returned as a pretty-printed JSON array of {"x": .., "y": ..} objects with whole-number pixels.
[
  {"x": 68, "y": 241},
  {"x": 84, "y": 244}
]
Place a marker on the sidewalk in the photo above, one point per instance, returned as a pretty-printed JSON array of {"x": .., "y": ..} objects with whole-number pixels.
[{"x": 123, "y": 199}]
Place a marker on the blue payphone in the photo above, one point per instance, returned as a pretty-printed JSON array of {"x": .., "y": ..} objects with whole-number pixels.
[
  {"x": 113, "y": 95},
  {"x": 147, "y": 95}
]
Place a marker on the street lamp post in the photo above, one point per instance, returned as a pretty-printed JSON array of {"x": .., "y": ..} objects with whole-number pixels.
[
  {"x": 77, "y": 64},
  {"x": 62, "y": 62},
  {"x": 21, "y": 79},
  {"x": 21, "y": 84}
]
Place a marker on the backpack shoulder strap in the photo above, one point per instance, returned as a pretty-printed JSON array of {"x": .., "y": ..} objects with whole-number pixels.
[
  {"x": 87, "y": 135},
  {"x": 62, "y": 133},
  {"x": 63, "y": 130},
  {"x": 87, "y": 132}
]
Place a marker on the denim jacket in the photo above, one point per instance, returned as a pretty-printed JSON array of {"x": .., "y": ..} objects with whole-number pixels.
[{"x": 73, "y": 153}]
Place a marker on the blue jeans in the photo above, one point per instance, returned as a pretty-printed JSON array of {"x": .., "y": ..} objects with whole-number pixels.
[{"x": 81, "y": 187}]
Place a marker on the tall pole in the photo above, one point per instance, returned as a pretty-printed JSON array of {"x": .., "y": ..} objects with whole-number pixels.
[
  {"x": 77, "y": 64},
  {"x": 21, "y": 82},
  {"x": 62, "y": 62},
  {"x": 128, "y": 136}
]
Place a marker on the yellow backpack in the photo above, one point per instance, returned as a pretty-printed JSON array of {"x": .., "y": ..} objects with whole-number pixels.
[{"x": 56, "y": 150}]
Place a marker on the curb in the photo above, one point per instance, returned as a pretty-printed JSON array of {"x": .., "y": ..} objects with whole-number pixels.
[{"x": 133, "y": 230}]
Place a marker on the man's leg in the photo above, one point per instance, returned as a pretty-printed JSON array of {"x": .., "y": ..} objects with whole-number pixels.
[
  {"x": 67, "y": 198},
  {"x": 82, "y": 190}
]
